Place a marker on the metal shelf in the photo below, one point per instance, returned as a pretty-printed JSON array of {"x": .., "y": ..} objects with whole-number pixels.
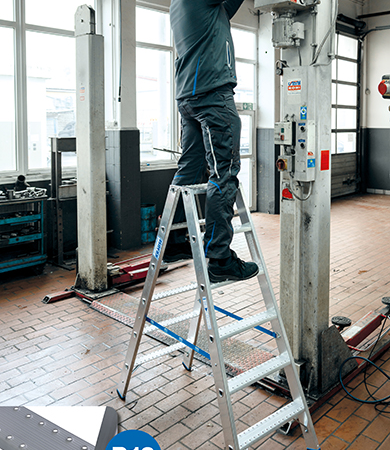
[{"x": 20, "y": 248}]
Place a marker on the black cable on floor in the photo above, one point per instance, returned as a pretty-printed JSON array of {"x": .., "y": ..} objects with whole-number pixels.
[{"x": 384, "y": 402}]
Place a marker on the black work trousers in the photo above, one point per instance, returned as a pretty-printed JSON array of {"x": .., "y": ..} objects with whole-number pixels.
[{"x": 210, "y": 138}]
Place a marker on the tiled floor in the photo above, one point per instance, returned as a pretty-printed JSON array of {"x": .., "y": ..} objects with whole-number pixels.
[{"x": 65, "y": 353}]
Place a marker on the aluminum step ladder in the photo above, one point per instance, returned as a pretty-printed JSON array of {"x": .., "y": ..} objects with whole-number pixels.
[{"x": 204, "y": 308}]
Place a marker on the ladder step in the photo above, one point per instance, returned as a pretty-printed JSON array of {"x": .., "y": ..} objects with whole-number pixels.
[
  {"x": 270, "y": 423},
  {"x": 243, "y": 228},
  {"x": 177, "y": 319},
  {"x": 179, "y": 225},
  {"x": 159, "y": 353},
  {"x": 197, "y": 188},
  {"x": 258, "y": 373},
  {"x": 187, "y": 288},
  {"x": 179, "y": 290},
  {"x": 246, "y": 324}
]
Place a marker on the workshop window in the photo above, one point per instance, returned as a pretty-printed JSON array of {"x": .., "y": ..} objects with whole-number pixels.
[
  {"x": 7, "y": 10},
  {"x": 51, "y": 101},
  {"x": 154, "y": 66},
  {"x": 345, "y": 95},
  {"x": 245, "y": 52},
  {"x": 7, "y": 110},
  {"x": 37, "y": 82},
  {"x": 245, "y": 49}
]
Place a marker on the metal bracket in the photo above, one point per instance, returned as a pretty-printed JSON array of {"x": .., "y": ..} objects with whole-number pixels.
[{"x": 85, "y": 22}]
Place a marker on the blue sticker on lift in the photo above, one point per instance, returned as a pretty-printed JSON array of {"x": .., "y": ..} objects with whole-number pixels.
[
  {"x": 157, "y": 247},
  {"x": 303, "y": 114},
  {"x": 311, "y": 163}
]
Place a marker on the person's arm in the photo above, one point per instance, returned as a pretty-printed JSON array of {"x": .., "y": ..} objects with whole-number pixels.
[{"x": 232, "y": 6}]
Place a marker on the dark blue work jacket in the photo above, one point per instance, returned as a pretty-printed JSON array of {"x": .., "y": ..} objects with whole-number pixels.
[{"x": 201, "y": 30}]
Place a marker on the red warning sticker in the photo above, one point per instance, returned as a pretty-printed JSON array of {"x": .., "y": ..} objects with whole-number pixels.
[{"x": 325, "y": 159}]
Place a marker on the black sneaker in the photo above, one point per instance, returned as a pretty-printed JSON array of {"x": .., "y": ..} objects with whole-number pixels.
[
  {"x": 236, "y": 269},
  {"x": 177, "y": 252}
]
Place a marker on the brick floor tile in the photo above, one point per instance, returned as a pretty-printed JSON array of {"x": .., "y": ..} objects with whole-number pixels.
[
  {"x": 270, "y": 444},
  {"x": 197, "y": 401},
  {"x": 367, "y": 411},
  {"x": 258, "y": 413},
  {"x": 174, "y": 416},
  {"x": 70, "y": 389},
  {"x": 343, "y": 410},
  {"x": 84, "y": 361},
  {"x": 173, "y": 435},
  {"x": 385, "y": 444},
  {"x": 137, "y": 421},
  {"x": 42, "y": 390},
  {"x": 205, "y": 446},
  {"x": 218, "y": 440},
  {"x": 204, "y": 414},
  {"x": 99, "y": 399},
  {"x": 101, "y": 386},
  {"x": 17, "y": 390},
  {"x": 22, "y": 378},
  {"x": 201, "y": 435},
  {"x": 363, "y": 443},
  {"x": 150, "y": 386},
  {"x": 351, "y": 428},
  {"x": 45, "y": 400},
  {"x": 379, "y": 429},
  {"x": 70, "y": 400},
  {"x": 17, "y": 400},
  {"x": 170, "y": 402},
  {"x": 145, "y": 401},
  {"x": 9, "y": 375},
  {"x": 298, "y": 444}
]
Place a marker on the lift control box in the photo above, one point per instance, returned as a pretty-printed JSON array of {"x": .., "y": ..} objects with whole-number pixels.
[
  {"x": 305, "y": 152},
  {"x": 284, "y": 133}
]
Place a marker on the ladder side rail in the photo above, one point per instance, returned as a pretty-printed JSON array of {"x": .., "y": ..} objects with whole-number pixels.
[
  {"x": 193, "y": 333},
  {"x": 277, "y": 324},
  {"x": 304, "y": 419},
  {"x": 214, "y": 343},
  {"x": 147, "y": 293}
]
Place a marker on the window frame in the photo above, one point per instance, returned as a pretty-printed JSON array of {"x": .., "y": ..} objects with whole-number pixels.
[
  {"x": 163, "y": 163},
  {"x": 21, "y": 28},
  {"x": 336, "y": 106}
]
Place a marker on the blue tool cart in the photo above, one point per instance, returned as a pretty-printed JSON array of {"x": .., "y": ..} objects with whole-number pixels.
[{"x": 22, "y": 233}]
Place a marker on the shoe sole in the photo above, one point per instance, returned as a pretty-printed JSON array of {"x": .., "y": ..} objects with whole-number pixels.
[
  {"x": 176, "y": 258},
  {"x": 220, "y": 278}
]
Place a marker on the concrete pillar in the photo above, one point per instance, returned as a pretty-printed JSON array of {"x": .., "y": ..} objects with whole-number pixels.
[{"x": 91, "y": 160}]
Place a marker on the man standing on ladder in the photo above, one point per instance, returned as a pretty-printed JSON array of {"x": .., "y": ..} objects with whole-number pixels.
[{"x": 210, "y": 129}]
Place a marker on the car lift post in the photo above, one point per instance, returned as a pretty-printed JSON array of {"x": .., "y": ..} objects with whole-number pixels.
[
  {"x": 91, "y": 157},
  {"x": 304, "y": 31}
]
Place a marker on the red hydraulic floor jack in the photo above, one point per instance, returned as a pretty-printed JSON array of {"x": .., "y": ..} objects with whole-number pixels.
[{"x": 121, "y": 274}]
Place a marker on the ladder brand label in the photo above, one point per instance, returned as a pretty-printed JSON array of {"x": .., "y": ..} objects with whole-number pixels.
[
  {"x": 157, "y": 247},
  {"x": 207, "y": 315}
]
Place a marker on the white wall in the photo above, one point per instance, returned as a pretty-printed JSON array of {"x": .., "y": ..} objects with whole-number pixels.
[
  {"x": 376, "y": 62},
  {"x": 351, "y": 8}
]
